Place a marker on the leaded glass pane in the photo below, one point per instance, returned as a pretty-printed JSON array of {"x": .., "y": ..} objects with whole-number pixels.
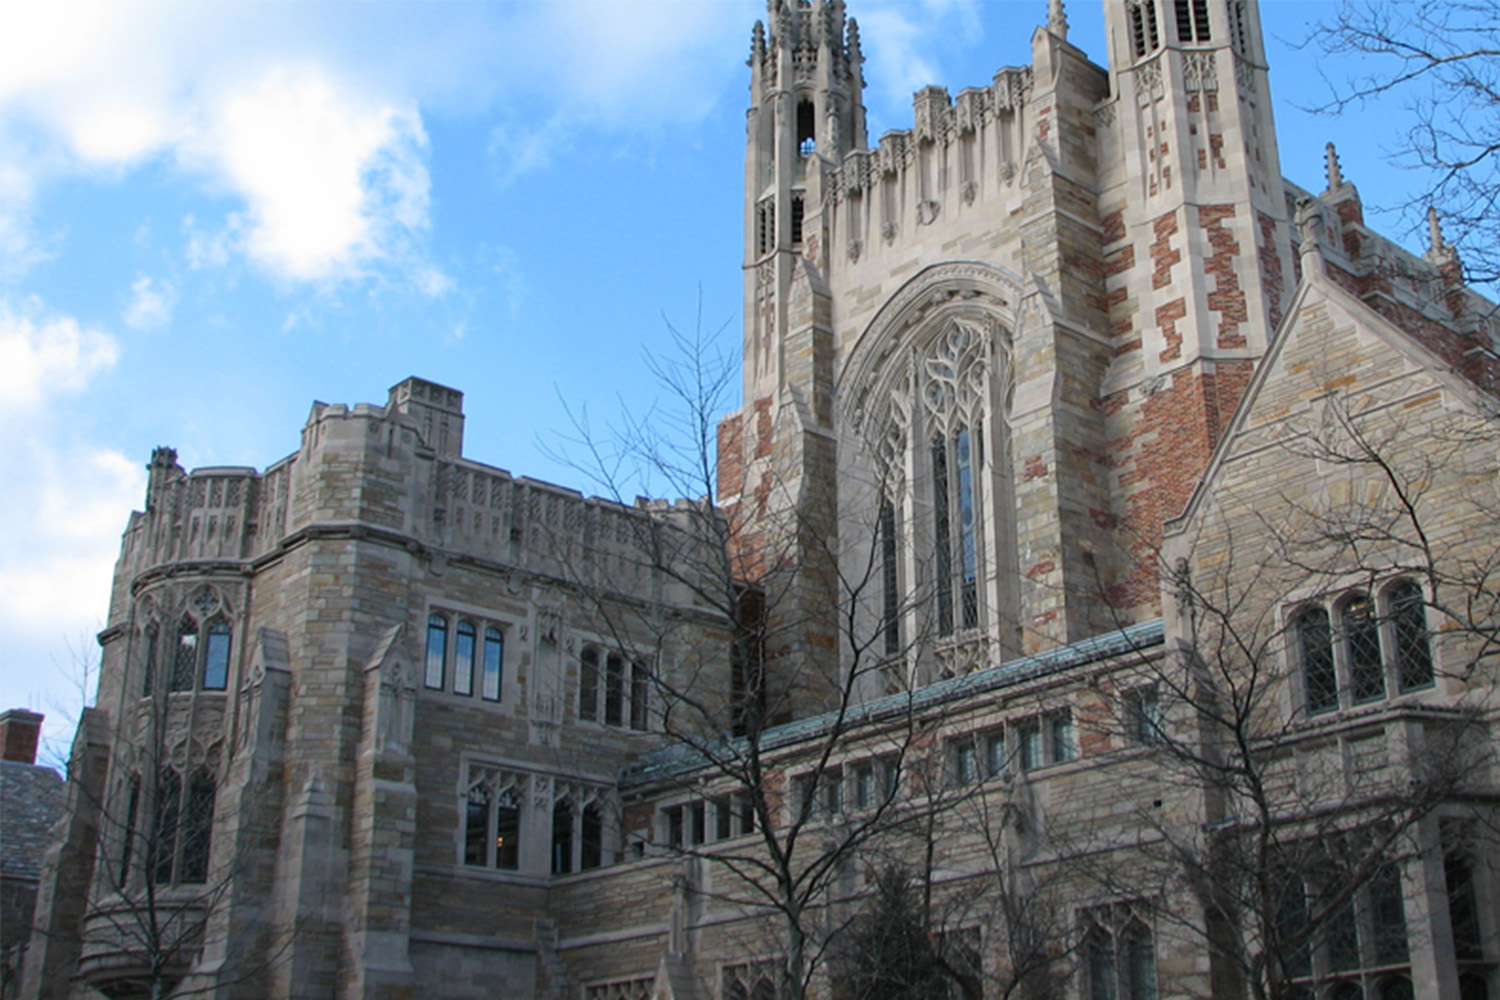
[
  {"x": 1409, "y": 627},
  {"x": 1320, "y": 680},
  {"x": 1362, "y": 645},
  {"x": 185, "y": 663},
  {"x": 942, "y": 537}
]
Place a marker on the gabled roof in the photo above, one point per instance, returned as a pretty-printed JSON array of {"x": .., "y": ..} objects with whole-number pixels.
[{"x": 1317, "y": 286}]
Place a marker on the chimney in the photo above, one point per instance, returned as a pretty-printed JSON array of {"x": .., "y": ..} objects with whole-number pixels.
[{"x": 19, "y": 730}]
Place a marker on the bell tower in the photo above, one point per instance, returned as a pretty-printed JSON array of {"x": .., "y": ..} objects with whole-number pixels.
[{"x": 805, "y": 113}]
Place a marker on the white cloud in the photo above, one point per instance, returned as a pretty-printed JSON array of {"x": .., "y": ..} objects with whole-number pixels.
[
  {"x": 60, "y": 513},
  {"x": 331, "y": 181},
  {"x": 43, "y": 355},
  {"x": 151, "y": 303}
]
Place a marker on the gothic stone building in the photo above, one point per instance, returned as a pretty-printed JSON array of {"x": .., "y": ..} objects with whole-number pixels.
[{"x": 1068, "y": 423}]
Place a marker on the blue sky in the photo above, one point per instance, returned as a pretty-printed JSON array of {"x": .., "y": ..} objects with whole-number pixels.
[{"x": 213, "y": 214}]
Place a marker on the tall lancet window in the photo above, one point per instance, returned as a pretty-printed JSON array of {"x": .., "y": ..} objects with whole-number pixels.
[
  {"x": 954, "y": 390},
  {"x": 929, "y": 400}
]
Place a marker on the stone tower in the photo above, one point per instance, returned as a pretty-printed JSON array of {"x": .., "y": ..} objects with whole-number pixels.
[
  {"x": 988, "y": 356},
  {"x": 1197, "y": 246}
]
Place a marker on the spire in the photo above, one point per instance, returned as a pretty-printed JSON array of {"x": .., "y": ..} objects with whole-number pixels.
[
  {"x": 1436, "y": 244},
  {"x": 1057, "y": 20},
  {"x": 856, "y": 56},
  {"x": 1335, "y": 172}
]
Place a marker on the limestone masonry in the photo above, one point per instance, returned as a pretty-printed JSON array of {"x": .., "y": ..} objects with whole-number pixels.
[{"x": 1077, "y": 446}]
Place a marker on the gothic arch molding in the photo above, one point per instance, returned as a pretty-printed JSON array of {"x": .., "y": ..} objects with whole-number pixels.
[{"x": 966, "y": 291}]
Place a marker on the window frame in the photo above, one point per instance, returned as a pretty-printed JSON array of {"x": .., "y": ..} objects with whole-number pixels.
[
  {"x": 614, "y": 690},
  {"x": 1395, "y": 625},
  {"x": 465, "y": 675}
]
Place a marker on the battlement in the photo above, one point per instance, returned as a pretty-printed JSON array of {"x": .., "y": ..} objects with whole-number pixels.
[{"x": 365, "y": 467}]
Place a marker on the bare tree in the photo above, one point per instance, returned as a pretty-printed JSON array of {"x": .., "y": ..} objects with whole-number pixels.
[
  {"x": 1443, "y": 59},
  {"x": 803, "y": 636}
]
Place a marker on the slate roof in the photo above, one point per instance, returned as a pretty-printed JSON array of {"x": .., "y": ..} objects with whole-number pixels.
[{"x": 31, "y": 800}]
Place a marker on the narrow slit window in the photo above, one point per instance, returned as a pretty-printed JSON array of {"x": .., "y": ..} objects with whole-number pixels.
[
  {"x": 164, "y": 826},
  {"x": 942, "y": 536},
  {"x": 216, "y": 656},
  {"x": 197, "y": 829},
  {"x": 463, "y": 658},
  {"x": 614, "y": 690},
  {"x": 1320, "y": 681},
  {"x": 799, "y": 208},
  {"x": 1409, "y": 630},
  {"x": 807, "y": 128},
  {"x": 588, "y": 685},
  {"x": 889, "y": 580},
  {"x": 148, "y": 669},
  {"x": 437, "y": 651},
  {"x": 494, "y": 658},
  {"x": 127, "y": 849},
  {"x": 1362, "y": 647},
  {"x": 185, "y": 662},
  {"x": 592, "y": 853},
  {"x": 968, "y": 559},
  {"x": 640, "y": 698},
  {"x": 562, "y": 838}
]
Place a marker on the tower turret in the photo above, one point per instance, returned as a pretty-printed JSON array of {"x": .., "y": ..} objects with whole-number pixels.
[{"x": 805, "y": 113}]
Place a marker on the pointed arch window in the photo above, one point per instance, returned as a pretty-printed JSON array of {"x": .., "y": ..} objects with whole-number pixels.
[
  {"x": 955, "y": 393},
  {"x": 492, "y": 820}
]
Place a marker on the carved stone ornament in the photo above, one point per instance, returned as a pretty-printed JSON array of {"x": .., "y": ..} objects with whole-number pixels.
[
  {"x": 969, "y": 191},
  {"x": 928, "y": 211},
  {"x": 855, "y": 248},
  {"x": 888, "y": 230}
]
